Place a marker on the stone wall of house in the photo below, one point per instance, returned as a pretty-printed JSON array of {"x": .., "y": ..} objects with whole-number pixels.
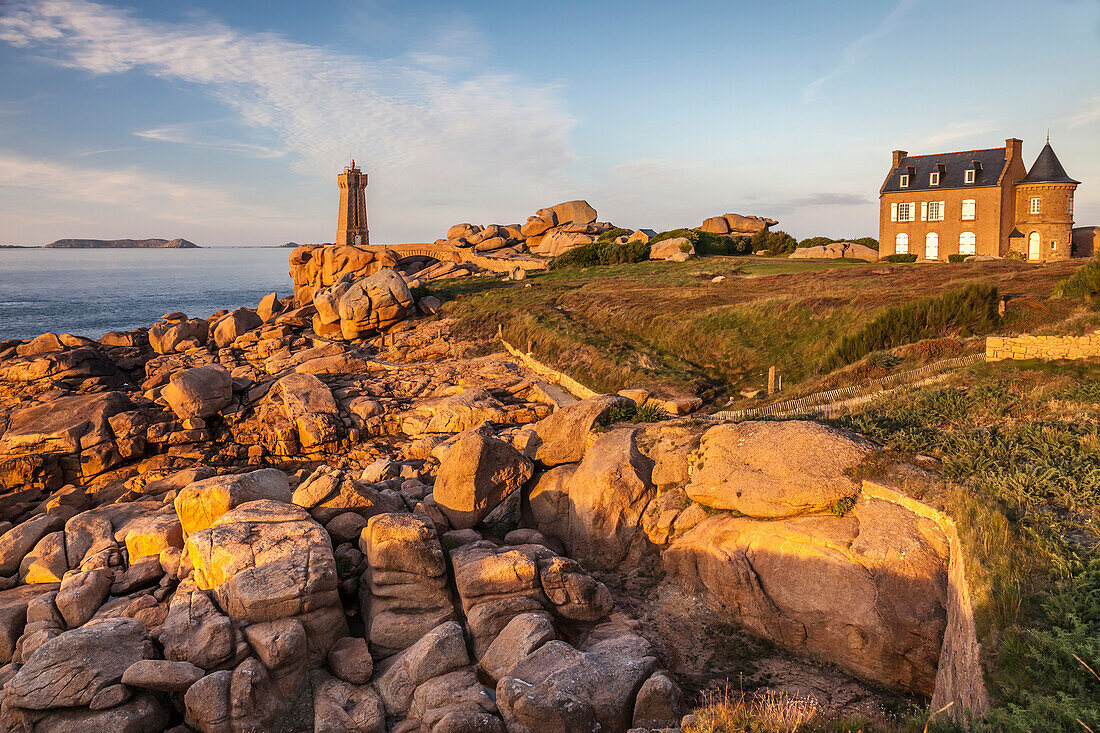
[{"x": 1042, "y": 347}]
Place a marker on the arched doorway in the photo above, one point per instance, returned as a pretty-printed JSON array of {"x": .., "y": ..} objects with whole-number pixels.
[
  {"x": 932, "y": 246},
  {"x": 901, "y": 244},
  {"x": 1034, "y": 246},
  {"x": 967, "y": 243}
]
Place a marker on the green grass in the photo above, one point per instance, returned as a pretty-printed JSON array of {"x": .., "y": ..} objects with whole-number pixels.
[
  {"x": 1085, "y": 282},
  {"x": 965, "y": 311},
  {"x": 666, "y": 325},
  {"x": 1020, "y": 443}
]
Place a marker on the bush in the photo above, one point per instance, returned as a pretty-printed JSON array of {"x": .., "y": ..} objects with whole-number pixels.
[
  {"x": 631, "y": 412},
  {"x": 816, "y": 242},
  {"x": 957, "y": 258},
  {"x": 776, "y": 244},
  {"x": 972, "y": 309},
  {"x": 612, "y": 234},
  {"x": 601, "y": 253},
  {"x": 706, "y": 243},
  {"x": 1085, "y": 282},
  {"x": 910, "y": 257}
]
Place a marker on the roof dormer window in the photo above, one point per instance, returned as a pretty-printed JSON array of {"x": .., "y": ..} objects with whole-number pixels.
[
  {"x": 934, "y": 178},
  {"x": 972, "y": 172},
  {"x": 970, "y": 175},
  {"x": 904, "y": 180}
]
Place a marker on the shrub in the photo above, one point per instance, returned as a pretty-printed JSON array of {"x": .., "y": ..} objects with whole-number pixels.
[
  {"x": 630, "y": 412},
  {"x": 910, "y": 257},
  {"x": 1084, "y": 282},
  {"x": 613, "y": 234},
  {"x": 775, "y": 243},
  {"x": 972, "y": 309},
  {"x": 843, "y": 505},
  {"x": 816, "y": 242},
  {"x": 601, "y": 253},
  {"x": 707, "y": 243},
  {"x": 957, "y": 258}
]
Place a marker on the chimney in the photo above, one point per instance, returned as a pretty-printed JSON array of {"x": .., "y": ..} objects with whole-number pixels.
[
  {"x": 898, "y": 155},
  {"x": 1014, "y": 148}
]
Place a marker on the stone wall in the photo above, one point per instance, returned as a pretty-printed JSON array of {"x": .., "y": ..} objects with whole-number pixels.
[{"x": 998, "y": 348}]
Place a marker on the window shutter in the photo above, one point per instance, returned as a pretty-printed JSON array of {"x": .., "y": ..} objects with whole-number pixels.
[
  {"x": 912, "y": 211},
  {"x": 943, "y": 207},
  {"x": 893, "y": 212},
  {"x": 924, "y": 211}
]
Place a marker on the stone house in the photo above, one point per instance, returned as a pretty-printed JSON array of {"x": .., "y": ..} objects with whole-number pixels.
[{"x": 977, "y": 202}]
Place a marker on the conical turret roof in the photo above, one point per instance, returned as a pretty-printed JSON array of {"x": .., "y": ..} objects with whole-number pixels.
[{"x": 1047, "y": 169}]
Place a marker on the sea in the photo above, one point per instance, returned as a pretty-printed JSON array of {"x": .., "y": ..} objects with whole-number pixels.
[{"x": 88, "y": 292}]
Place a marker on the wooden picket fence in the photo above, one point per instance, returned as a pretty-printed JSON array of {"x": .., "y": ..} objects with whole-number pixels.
[{"x": 834, "y": 400}]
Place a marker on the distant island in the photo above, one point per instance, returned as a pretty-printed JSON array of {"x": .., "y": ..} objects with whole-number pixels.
[{"x": 122, "y": 244}]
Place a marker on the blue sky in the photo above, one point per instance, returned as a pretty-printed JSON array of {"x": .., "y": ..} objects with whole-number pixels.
[{"x": 227, "y": 122}]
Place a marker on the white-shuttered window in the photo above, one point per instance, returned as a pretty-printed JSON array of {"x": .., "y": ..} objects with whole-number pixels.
[
  {"x": 935, "y": 211},
  {"x": 1035, "y": 205},
  {"x": 901, "y": 244},
  {"x": 907, "y": 212},
  {"x": 967, "y": 243},
  {"x": 969, "y": 209}
]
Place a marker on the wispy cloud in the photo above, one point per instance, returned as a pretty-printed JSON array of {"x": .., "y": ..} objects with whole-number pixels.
[
  {"x": 186, "y": 134},
  {"x": 857, "y": 51},
  {"x": 421, "y": 132},
  {"x": 130, "y": 189},
  {"x": 1088, "y": 114},
  {"x": 956, "y": 131}
]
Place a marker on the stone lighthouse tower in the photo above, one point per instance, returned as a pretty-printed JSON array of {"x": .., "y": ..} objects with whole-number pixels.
[{"x": 352, "y": 227}]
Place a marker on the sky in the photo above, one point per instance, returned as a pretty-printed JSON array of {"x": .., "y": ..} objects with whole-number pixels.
[{"x": 226, "y": 123}]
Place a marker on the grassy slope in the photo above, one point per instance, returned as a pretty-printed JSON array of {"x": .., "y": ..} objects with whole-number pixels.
[
  {"x": 666, "y": 324},
  {"x": 1020, "y": 443}
]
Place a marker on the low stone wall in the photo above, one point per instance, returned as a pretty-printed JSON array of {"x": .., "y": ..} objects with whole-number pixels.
[{"x": 999, "y": 348}]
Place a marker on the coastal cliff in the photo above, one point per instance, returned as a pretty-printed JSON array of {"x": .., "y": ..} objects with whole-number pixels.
[{"x": 177, "y": 243}]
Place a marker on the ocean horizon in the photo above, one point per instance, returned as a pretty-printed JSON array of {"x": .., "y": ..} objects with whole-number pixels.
[{"x": 88, "y": 292}]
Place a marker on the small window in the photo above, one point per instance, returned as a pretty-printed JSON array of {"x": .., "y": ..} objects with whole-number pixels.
[
  {"x": 968, "y": 209},
  {"x": 905, "y": 212},
  {"x": 935, "y": 211},
  {"x": 1071, "y": 206},
  {"x": 967, "y": 243},
  {"x": 904, "y": 181},
  {"x": 971, "y": 174},
  {"x": 901, "y": 244},
  {"x": 1035, "y": 205},
  {"x": 934, "y": 178}
]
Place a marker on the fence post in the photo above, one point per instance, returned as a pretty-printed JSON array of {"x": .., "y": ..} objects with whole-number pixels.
[{"x": 771, "y": 379}]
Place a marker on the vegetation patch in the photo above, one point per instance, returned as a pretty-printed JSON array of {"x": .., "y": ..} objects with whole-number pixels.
[
  {"x": 968, "y": 310},
  {"x": 909, "y": 257},
  {"x": 957, "y": 258},
  {"x": 613, "y": 234},
  {"x": 601, "y": 253},
  {"x": 1020, "y": 444},
  {"x": 1085, "y": 283}
]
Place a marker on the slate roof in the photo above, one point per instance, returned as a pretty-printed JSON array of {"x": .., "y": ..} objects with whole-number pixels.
[
  {"x": 1047, "y": 169},
  {"x": 953, "y": 173}
]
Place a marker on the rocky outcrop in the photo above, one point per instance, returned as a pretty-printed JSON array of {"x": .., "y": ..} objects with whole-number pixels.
[
  {"x": 286, "y": 530},
  {"x": 355, "y": 307},
  {"x": 737, "y": 224},
  {"x": 550, "y": 232},
  {"x": 836, "y": 250},
  {"x": 314, "y": 266}
]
